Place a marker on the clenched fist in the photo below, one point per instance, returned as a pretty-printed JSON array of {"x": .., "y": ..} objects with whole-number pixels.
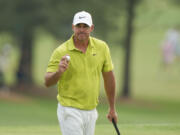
[{"x": 63, "y": 64}]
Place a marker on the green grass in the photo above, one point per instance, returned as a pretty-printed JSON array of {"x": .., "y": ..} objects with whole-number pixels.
[{"x": 38, "y": 116}]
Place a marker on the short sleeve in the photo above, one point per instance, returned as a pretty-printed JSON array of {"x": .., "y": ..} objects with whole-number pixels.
[
  {"x": 108, "y": 65},
  {"x": 54, "y": 62}
]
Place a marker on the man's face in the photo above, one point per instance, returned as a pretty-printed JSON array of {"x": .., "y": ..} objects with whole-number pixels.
[{"x": 82, "y": 31}]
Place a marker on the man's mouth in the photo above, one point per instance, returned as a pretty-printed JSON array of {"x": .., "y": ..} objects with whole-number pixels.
[{"x": 82, "y": 33}]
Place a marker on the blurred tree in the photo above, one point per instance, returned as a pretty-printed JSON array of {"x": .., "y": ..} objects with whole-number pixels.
[
  {"x": 131, "y": 5},
  {"x": 176, "y": 2},
  {"x": 21, "y": 18}
]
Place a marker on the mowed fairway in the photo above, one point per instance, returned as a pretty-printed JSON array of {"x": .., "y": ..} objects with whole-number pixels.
[{"x": 38, "y": 117}]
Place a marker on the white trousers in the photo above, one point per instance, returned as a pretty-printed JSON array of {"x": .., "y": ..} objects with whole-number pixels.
[{"x": 75, "y": 121}]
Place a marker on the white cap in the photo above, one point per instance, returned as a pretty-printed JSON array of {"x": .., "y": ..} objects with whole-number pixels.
[{"x": 82, "y": 17}]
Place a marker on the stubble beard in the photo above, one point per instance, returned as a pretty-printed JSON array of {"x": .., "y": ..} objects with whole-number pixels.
[{"x": 82, "y": 37}]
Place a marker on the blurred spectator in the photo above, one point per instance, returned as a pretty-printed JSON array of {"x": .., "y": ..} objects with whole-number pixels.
[
  {"x": 170, "y": 47},
  {"x": 4, "y": 62}
]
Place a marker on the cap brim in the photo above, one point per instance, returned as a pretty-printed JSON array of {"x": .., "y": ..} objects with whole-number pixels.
[{"x": 85, "y": 22}]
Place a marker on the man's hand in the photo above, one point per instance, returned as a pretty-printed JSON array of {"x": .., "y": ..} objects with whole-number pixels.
[
  {"x": 63, "y": 65},
  {"x": 52, "y": 78},
  {"x": 112, "y": 115}
]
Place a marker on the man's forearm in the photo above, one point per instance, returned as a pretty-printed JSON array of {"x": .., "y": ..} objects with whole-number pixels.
[
  {"x": 109, "y": 83},
  {"x": 110, "y": 92},
  {"x": 51, "y": 78}
]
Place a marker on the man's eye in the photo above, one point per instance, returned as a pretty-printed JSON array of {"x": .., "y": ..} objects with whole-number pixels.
[
  {"x": 86, "y": 26},
  {"x": 82, "y": 26},
  {"x": 78, "y": 25}
]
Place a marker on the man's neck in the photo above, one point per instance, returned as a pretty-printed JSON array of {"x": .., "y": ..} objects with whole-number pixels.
[{"x": 81, "y": 45}]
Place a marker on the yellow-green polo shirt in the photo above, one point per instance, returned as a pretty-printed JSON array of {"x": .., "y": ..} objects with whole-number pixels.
[{"x": 79, "y": 85}]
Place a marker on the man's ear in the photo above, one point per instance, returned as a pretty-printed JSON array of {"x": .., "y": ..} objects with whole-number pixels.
[
  {"x": 72, "y": 27},
  {"x": 92, "y": 27}
]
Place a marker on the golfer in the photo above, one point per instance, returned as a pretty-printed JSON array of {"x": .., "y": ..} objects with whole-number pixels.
[{"x": 75, "y": 66}]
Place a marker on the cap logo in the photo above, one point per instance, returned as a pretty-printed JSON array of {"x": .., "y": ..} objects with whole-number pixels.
[{"x": 80, "y": 17}]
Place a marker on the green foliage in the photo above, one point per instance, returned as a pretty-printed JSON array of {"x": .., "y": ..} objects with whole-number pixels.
[
  {"x": 56, "y": 15},
  {"x": 175, "y": 2},
  {"x": 22, "y": 18}
]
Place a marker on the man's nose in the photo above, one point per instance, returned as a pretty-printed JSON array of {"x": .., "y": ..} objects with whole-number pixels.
[{"x": 81, "y": 28}]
